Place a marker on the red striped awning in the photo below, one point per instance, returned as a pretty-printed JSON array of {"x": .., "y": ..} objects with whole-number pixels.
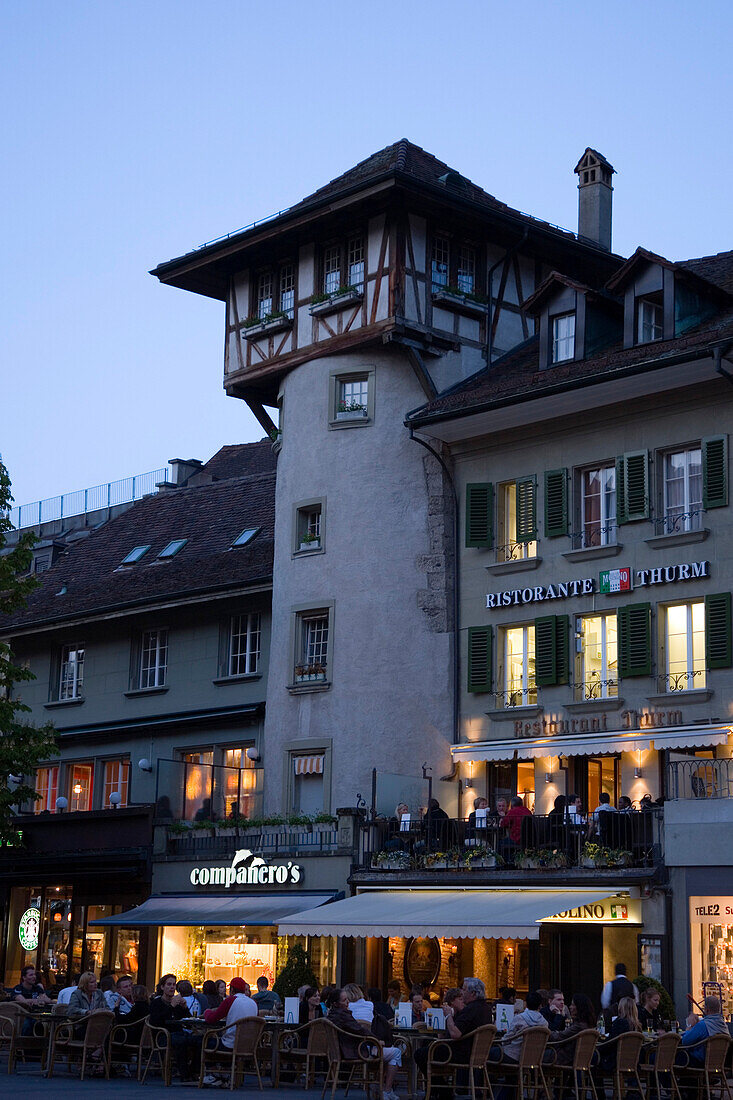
[{"x": 308, "y": 765}]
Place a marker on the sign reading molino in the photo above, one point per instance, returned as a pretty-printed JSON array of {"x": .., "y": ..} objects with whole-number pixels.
[
  {"x": 247, "y": 869},
  {"x": 611, "y": 581}
]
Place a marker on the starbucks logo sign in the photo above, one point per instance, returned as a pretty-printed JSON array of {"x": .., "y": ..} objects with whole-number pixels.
[{"x": 28, "y": 929}]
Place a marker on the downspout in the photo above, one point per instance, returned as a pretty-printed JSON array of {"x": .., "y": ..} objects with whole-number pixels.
[
  {"x": 489, "y": 281},
  {"x": 456, "y": 583},
  {"x": 717, "y": 356}
]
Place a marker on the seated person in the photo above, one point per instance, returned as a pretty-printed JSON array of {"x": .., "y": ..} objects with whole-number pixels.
[
  {"x": 167, "y": 1009},
  {"x": 394, "y": 993},
  {"x": 512, "y": 822},
  {"x": 627, "y": 1020},
  {"x": 196, "y": 1003},
  {"x": 478, "y": 804},
  {"x": 310, "y": 1007},
  {"x": 381, "y": 1007},
  {"x": 361, "y": 1008},
  {"x": 86, "y": 997},
  {"x": 712, "y": 1023},
  {"x": 650, "y": 1017},
  {"x": 65, "y": 995},
  {"x": 29, "y": 990},
  {"x": 120, "y": 999},
  {"x": 418, "y": 1009},
  {"x": 139, "y": 1011},
  {"x": 266, "y": 998},
  {"x": 237, "y": 1006},
  {"x": 213, "y": 999},
  {"x": 475, "y": 1013},
  {"x": 339, "y": 1014},
  {"x": 453, "y": 999},
  {"x": 555, "y": 1011},
  {"x": 511, "y": 1044},
  {"x": 582, "y": 1018}
]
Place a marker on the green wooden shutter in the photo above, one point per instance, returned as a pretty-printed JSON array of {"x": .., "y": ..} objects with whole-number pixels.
[
  {"x": 715, "y": 472},
  {"x": 718, "y": 642},
  {"x": 551, "y": 650},
  {"x": 556, "y": 503},
  {"x": 634, "y": 640},
  {"x": 526, "y": 509},
  {"x": 479, "y": 658},
  {"x": 632, "y": 487},
  {"x": 480, "y": 515}
]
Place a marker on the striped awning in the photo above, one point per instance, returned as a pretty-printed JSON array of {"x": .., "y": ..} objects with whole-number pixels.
[
  {"x": 594, "y": 744},
  {"x": 308, "y": 765}
]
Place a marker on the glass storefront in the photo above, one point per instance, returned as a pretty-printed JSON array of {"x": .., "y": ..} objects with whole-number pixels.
[{"x": 711, "y": 948}]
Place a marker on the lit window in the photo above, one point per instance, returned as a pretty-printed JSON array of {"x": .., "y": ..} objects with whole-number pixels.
[
  {"x": 511, "y": 547},
  {"x": 172, "y": 548},
  {"x": 685, "y": 646},
  {"x": 135, "y": 555},
  {"x": 312, "y": 655},
  {"x": 247, "y": 535},
  {"x": 650, "y": 321},
  {"x": 46, "y": 785},
  {"x": 597, "y": 658},
  {"x": 153, "y": 659},
  {"x": 519, "y": 669},
  {"x": 116, "y": 781},
  {"x": 598, "y": 506},
  {"x": 240, "y": 782},
  {"x": 244, "y": 645},
  {"x": 71, "y": 678},
  {"x": 683, "y": 490},
  {"x": 563, "y": 337},
  {"x": 80, "y": 787}
]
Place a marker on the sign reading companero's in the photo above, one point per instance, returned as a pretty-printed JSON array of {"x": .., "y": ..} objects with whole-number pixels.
[{"x": 248, "y": 869}]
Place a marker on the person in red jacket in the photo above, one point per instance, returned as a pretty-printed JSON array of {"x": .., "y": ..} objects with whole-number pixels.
[{"x": 513, "y": 824}]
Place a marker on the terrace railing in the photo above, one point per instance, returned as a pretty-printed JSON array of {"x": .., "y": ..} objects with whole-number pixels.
[
  {"x": 699, "y": 778},
  {"x": 80, "y": 501}
]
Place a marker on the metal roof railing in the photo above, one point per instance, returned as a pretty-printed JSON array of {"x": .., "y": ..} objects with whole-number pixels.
[{"x": 80, "y": 501}]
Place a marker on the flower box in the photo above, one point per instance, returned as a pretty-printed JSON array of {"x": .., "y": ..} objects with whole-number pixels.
[
  {"x": 337, "y": 300},
  {"x": 352, "y": 414},
  {"x": 448, "y": 299},
  {"x": 485, "y": 863},
  {"x": 265, "y": 328},
  {"x": 314, "y": 544}
]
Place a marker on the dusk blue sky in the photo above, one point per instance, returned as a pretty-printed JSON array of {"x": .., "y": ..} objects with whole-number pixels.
[{"x": 135, "y": 131}]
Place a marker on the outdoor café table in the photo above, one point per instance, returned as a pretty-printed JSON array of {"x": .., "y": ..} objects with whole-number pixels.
[
  {"x": 417, "y": 1037},
  {"x": 50, "y": 1021}
]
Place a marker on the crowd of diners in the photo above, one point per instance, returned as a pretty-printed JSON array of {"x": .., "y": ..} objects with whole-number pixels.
[{"x": 360, "y": 1012}]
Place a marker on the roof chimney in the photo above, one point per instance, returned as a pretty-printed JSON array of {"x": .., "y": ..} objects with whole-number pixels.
[{"x": 595, "y": 196}]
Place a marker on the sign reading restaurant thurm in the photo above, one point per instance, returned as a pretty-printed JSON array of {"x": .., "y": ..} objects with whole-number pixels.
[
  {"x": 247, "y": 869},
  {"x": 611, "y": 581}
]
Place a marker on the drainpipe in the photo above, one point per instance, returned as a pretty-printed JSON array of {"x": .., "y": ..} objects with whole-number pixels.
[
  {"x": 456, "y": 583},
  {"x": 508, "y": 255},
  {"x": 717, "y": 356}
]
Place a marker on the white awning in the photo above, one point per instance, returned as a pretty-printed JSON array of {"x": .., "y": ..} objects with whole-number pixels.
[
  {"x": 470, "y": 914},
  {"x": 212, "y": 909},
  {"x": 593, "y": 744},
  {"x": 308, "y": 765}
]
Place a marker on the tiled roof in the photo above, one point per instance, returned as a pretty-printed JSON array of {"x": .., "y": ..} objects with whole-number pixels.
[
  {"x": 237, "y": 460},
  {"x": 210, "y": 517},
  {"x": 716, "y": 269},
  {"x": 517, "y": 375}
]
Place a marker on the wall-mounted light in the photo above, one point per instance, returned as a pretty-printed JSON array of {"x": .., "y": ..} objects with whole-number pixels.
[
  {"x": 548, "y": 774},
  {"x": 144, "y": 765},
  {"x": 114, "y": 799},
  {"x": 637, "y": 770},
  {"x": 61, "y": 804},
  {"x": 252, "y": 753}
]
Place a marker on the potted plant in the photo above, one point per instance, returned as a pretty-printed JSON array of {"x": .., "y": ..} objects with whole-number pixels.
[
  {"x": 271, "y": 322},
  {"x": 528, "y": 859},
  {"x": 440, "y": 861},
  {"x": 465, "y": 300},
  {"x": 481, "y": 856},
  {"x": 593, "y": 855},
  {"x": 310, "y": 541},
  {"x": 391, "y": 860},
  {"x": 350, "y": 410}
]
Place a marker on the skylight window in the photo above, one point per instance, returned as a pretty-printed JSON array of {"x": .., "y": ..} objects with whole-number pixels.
[
  {"x": 247, "y": 535},
  {"x": 172, "y": 549},
  {"x": 135, "y": 555}
]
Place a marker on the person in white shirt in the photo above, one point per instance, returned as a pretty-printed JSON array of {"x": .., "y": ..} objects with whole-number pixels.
[
  {"x": 361, "y": 1009},
  {"x": 620, "y": 987},
  {"x": 65, "y": 995},
  {"x": 242, "y": 1006}
]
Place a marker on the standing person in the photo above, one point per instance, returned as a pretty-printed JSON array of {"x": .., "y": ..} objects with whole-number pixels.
[
  {"x": 29, "y": 990},
  {"x": 339, "y": 1013},
  {"x": 712, "y": 1023},
  {"x": 620, "y": 987},
  {"x": 265, "y": 998},
  {"x": 555, "y": 1011},
  {"x": 167, "y": 1009}
]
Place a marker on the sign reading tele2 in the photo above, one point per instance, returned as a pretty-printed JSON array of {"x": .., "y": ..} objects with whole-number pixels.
[{"x": 610, "y": 582}]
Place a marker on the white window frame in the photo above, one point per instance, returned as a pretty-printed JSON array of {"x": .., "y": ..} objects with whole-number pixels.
[
  {"x": 608, "y": 526},
  {"x": 466, "y": 273},
  {"x": 344, "y": 264},
  {"x": 509, "y": 549},
  {"x": 47, "y": 790},
  {"x": 606, "y": 686},
  {"x": 244, "y": 660},
  {"x": 440, "y": 262},
  {"x": 690, "y": 516},
  {"x": 275, "y": 291},
  {"x": 649, "y": 321},
  {"x": 563, "y": 343},
  {"x": 71, "y": 672},
  {"x": 694, "y": 674},
  {"x": 313, "y": 647},
  {"x": 152, "y": 666},
  {"x": 522, "y": 693},
  {"x": 115, "y": 777}
]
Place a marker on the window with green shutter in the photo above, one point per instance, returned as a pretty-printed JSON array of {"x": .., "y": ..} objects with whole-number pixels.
[
  {"x": 718, "y": 643},
  {"x": 479, "y": 658},
  {"x": 556, "y": 503},
  {"x": 634, "y": 640},
  {"x": 632, "y": 487},
  {"x": 715, "y": 472},
  {"x": 480, "y": 515},
  {"x": 526, "y": 509},
  {"x": 552, "y": 656}
]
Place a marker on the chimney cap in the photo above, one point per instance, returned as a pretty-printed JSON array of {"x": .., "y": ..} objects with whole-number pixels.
[{"x": 591, "y": 158}]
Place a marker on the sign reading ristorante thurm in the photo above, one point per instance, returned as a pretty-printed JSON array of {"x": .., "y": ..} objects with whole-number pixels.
[
  {"x": 611, "y": 581},
  {"x": 248, "y": 869}
]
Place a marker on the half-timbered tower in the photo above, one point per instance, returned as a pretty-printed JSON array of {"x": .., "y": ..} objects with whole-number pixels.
[{"x": 391, "y": 284}]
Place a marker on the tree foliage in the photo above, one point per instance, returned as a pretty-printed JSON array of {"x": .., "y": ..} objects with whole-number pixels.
[
  {"x": 22, "y": 746},
  {"x": 295, "y": 973}
]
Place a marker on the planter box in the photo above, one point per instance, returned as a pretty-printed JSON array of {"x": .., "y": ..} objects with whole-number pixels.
[
  {"x": 265, "y": 328},
  {"x": 460, "y": 303},
  {"x": 336, "y": 301},
  {"x": 391, "y": 865},
  {"x": 482, "y": 864},
  {"x": 311, "y": 677},
  {"x": 314, "y": 545},
  {"x": 359, "y": 414},
  {"x": 226, "y": 832}
]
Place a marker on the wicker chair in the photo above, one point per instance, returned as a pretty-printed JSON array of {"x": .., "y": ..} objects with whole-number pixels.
[
  {"x": 124, "y": 1043},
  {"x": 247, "y": 1037},
  {"x": 441, "y": 1070},
  {"x": 530, "y": 1076},
  {"x": 300, "y": 1048},
  {"x": 628, "y": 1048},
  {"x": 408, "y": 1068},
  {"x": 664, "y": 1057},
  {"x": 12, "y": 1019},
  {"x": 578, "y": 1074},
  {"x": 369, "y": 1061},
  {"x": 155, "y": 1050},
  {"x": 711, "y": 1076},
  {"x": 95, "y": 1037}
]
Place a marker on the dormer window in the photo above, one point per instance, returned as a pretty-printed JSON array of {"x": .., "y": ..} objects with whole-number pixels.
[
  {"x": 649, "y": 319},
  {"x": 563, "y": 337}
]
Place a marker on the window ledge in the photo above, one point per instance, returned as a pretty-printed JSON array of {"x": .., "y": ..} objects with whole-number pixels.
[
  {"x": 55, "y": 703},
  {"x": 677, "y": 538},
  {"x": 309, "y": 685},
  {"x": 460, "y": 303},
  {"x": 221, "y": 681},
  {"x": 521, "y": 565},
  {"x": 306, "y": 551},
  {"x": 336, "y": 301},
  {"x": 264, "y": 328},
  {"x": 588, "y": 553},
  {"x": 349, "y": 421},
  {"x": 590, "y": 706},
  {"x": 509, "y": 714},
  {"x": 696, "y": 695},
  {"x": 134, "y": 692}
]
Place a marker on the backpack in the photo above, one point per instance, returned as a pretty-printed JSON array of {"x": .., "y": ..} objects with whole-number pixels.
[{"x": 382, "y": 1029}]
